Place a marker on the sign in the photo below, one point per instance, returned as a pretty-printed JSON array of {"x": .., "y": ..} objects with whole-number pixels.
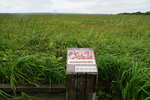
[
  {"x": 81, "y": 60},
  {"x": 81, "y": 56},
  {"x": 81, "y": 73}
]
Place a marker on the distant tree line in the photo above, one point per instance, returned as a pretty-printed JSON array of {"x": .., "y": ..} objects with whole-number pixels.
[{"x": 136, "y": 13}]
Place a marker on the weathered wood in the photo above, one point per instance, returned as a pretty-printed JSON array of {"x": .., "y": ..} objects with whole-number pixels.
[
  {"x": 80, "y": 96},
  {"x": 90, "y": 96},
  {"x": 71, "y": 95},
  {"x": 72, "y": 83},
  {"x": 91, "y": 83},
  {"x": 31, "y": 89},
  {"x": 81, "y": 86}
]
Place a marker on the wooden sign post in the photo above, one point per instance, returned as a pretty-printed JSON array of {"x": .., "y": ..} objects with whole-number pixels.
[{"x": 81, "y": 74}]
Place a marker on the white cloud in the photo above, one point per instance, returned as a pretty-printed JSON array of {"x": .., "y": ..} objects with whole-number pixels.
[{"x": 74, "y": 6}]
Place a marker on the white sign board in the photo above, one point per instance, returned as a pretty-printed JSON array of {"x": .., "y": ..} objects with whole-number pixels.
[{"x": 81, "y": 60}]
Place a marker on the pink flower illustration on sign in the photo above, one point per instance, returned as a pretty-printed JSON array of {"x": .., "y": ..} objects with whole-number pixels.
[{"x": 80, "y": 55}]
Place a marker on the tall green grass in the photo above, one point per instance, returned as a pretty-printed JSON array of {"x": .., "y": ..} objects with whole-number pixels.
[{"x": 33, "y": 51}]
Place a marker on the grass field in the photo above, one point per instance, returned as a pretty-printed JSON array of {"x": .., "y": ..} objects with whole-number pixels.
[{"x": 33, "y": 51}]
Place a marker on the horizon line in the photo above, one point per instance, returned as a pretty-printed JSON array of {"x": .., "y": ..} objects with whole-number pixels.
[{"x": 55, "y": 13}]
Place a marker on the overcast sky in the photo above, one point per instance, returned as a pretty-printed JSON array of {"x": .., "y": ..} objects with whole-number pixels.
[{"x": 74, "y": 6}]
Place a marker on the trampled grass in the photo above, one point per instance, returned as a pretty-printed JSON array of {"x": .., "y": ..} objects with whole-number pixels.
[{"x": 33, "y": 51}]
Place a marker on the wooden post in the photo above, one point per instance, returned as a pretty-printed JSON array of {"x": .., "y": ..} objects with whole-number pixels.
[{"x": 81, "y": 74}]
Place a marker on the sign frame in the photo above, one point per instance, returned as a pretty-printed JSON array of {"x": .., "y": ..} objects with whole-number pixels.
[{"x": 76, "y": 57}]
